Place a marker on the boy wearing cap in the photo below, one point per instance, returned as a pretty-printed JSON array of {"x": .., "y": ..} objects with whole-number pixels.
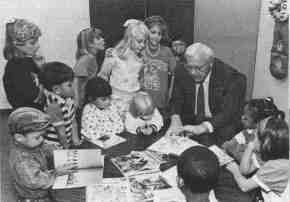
[
  {"x": 57, "y": 79},
  {"x": 198, "y": 171},
  {"x": 29, "y": 157}
]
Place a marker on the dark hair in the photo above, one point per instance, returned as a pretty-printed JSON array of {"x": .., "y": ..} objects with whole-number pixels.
[
  {"x": 55, "y": 73},
  {"x": 274, "y": 139},
  {"x": 263, "y": 108},
  {"x": 97, "y": 87},
  {"x": 199, "y": 168},
  {"x": 158, "y": 20}
]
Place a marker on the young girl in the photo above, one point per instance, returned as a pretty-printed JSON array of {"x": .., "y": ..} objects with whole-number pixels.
[
  {"x": 160, "y": 62},
  {"x": 89, "y": 43},
  {"x": 99, "y": 116},
  {"x": 143, "y": 117},
  {"x": 122, "y": 68},
  {"x": 20, "y": 78},
  {"x": 273, "y": 144},
  {"x": 255, "y": 110}
]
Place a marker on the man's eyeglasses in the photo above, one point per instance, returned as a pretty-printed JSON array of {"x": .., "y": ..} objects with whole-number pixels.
[{"x": 200, "y": 68}]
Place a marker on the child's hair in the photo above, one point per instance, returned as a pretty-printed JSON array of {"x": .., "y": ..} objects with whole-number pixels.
[
  {"x": 97, "y": 87},
  {"x": 159, "y": 21},
  {"x": 55, "y": 73},
  {"x": 85, "y": 38},
  {"x": 199, "y": 168},
  {"x": 134, "y": 28},
  {"x": 141, "y": 105},
  {"x": 27, "y": 119},
  {"x": 263, "y": 108},
  {"x": 17, "y": 33},
  {"x": 274, "y": 139}
]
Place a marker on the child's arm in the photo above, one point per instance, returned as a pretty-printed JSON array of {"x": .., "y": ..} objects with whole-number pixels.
[
  {"x": 157, "y": 120},
  {"x": 106, "y": 68},
  {"x": 244, "y": 184},
  {"x": 75, "y": 135},
  {"x": 247, "y": 166}
]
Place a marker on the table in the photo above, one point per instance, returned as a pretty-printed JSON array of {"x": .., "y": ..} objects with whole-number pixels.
[{"x": 133, "y": 142}]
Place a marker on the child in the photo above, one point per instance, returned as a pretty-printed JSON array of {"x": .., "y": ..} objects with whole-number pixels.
[
  {"x": 198, "y": 171},
  {"x": 143, "y": 118},
  {"x": 57, "y": 79},
  {"x": 255, "y": 110},
  {"x": 89, "y": 43},
  {"x": 272, "y": 177},
  {"x": 99, "y": 116},
  {"x": 29, "y": 158},
  {"x": 160, "y": 62},
  {"x": 122, "y": 69},
  {"x": 178, "y": 47},
  {"x": 20, "y": 78}
]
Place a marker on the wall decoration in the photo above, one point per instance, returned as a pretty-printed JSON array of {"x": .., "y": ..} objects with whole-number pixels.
[{"x": 279, "y": 51}]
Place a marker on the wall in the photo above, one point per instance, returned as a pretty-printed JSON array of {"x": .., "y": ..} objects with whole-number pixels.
[
  {"x": 59, "y": 20},
  {"x": 265, "y": 84},
  {"x": 230, "y": 27}
]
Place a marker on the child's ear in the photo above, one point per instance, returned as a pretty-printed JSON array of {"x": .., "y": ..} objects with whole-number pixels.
[{"x": 19, "y": 137}]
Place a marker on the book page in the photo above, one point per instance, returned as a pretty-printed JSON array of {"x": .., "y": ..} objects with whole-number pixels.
[
  {"x": 81, "y": 178},
  {"x": 137, "y": 162},
  {"x": 110, "y": 190},
  {"x": 170, "y": 176},
  {"x": 82, "y": 158},
  {"x": 169, "y": 195},
  {"x": 173, "y": 144},
  {"x": 143, "y": 186},
  {"x": 222, "y": 156},
  {"x": 107, "y": 141}
]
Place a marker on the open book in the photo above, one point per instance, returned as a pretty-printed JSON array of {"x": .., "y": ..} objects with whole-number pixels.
[
  {"x": 222, "y": 156},
  {"x": 110, "y": 189},
  {"x": 107, "y": 141},
  {"x": 143, "y": 186},
  {"x": 88, "y": 162},
  {"x": 138, "y": 162},
  {"x": 173, "y": 144}
]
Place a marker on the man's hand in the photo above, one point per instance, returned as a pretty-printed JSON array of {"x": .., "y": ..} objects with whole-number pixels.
[
  {"x": 175, "y": 127},
  {"x": 195, "y": 129}
]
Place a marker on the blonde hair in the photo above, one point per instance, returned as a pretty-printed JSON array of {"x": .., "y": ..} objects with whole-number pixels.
[
  {"x": 134, "y": 28},
  {"x": 141, "y": 105}
]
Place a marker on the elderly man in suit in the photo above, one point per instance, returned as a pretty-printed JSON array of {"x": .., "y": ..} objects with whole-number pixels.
[
  {"x": 207, "y": 101},
  {"x": 207, "y": 96}
]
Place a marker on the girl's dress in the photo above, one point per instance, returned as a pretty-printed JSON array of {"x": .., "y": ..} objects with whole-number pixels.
[
  {"x": 97, "y": 122},
  {"x": 21, "y": 83},
  {"x": 132, "y": 123},
  {"x": 123, "y": 76},
  {"x": 273, "y": 178},
  {"x": 157, "y": 73},
  {"x": 85, "y": 69}
]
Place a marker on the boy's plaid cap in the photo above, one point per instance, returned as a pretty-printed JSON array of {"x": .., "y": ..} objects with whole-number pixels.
[{"x": 27, "y": 119}]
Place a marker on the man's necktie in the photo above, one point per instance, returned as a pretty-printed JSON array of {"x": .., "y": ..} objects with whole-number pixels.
[{"x": 200, "y": 108}]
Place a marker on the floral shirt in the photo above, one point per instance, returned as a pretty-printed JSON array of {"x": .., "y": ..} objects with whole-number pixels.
[{"x": 97, "y": 122}]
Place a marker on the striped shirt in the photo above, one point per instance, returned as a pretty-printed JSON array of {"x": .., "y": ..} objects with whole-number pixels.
[{"x": 64, "y": 114}]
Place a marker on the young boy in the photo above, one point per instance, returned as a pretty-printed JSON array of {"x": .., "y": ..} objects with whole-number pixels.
[
  {"x": 57, "y": 79},
  {"x": 29, "y": 157},
  {"x": 198, "y": 171}
]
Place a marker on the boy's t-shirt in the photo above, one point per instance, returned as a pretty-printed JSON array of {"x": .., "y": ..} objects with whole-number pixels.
[{"x": 30, "y": 170}]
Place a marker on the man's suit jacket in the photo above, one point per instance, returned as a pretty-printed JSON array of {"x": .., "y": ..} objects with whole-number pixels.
[{"x": 226, "y": 95}]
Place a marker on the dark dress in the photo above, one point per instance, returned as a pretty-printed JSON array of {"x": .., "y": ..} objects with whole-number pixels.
[{"x": 21, "y": 82}]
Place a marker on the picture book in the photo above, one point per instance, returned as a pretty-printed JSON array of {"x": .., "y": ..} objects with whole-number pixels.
[
  {"x": 173, "y": 144},
  {"x": 107, "y": 141},
  {"x": 223, "y": 157},
  {"x": 138, "y": 162},
  {"x": 110, "y": 189},
  {"x": 89, "y": 164},
  {"x": 173, "y": 194}
]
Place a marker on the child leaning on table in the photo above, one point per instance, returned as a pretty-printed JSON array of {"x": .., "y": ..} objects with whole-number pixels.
[
  {"x": 57, "y": 78},
  {"x": 29, "y": 158},
  {"x": 198, "y": 170},
  {"x": 272, "y": 143},
  {"x": 143, "y": 117},
  {"x": 100, "y": 117},
  {"x": 254, "y": 111}
]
